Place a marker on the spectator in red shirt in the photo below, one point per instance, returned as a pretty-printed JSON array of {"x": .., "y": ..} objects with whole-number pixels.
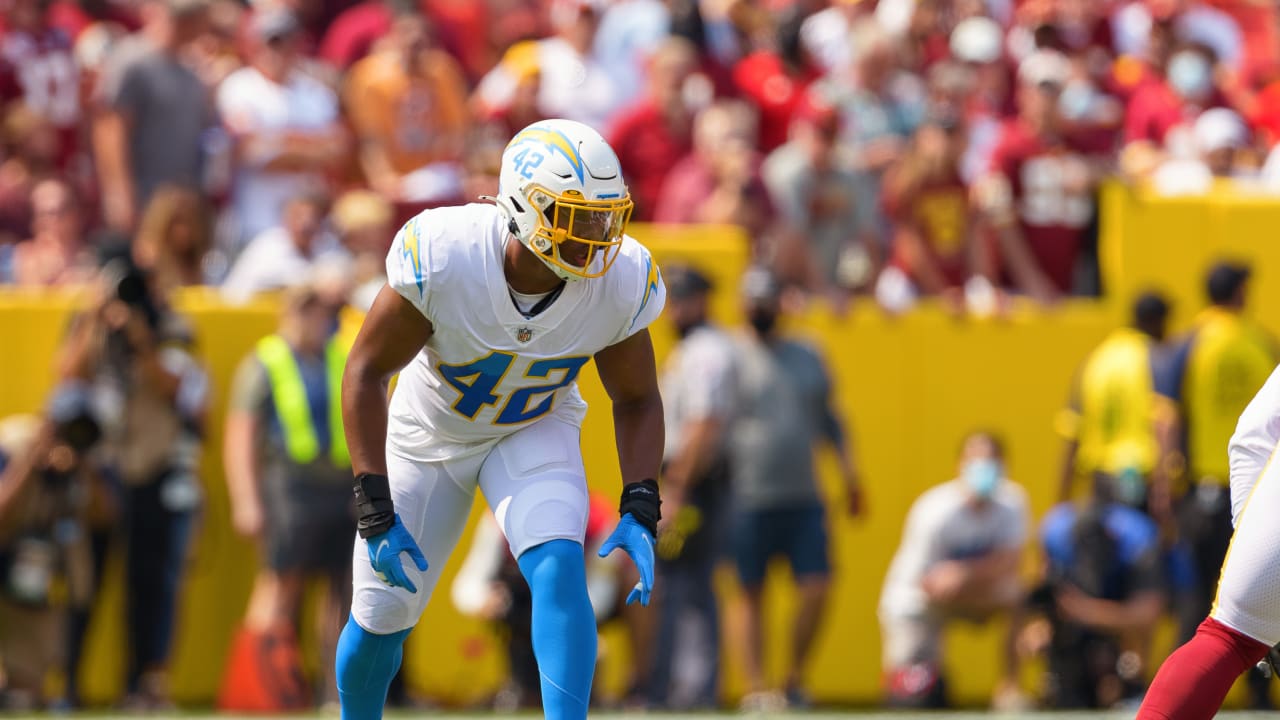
[
  {"x": 654, "y": 134},
  {"x": 775, "y": 81},
  {"x": 38, "y": 68},
  {"x": 1038, "y": 195},
  {"x": 935, "y": 248},
  {"x": 1187, "y": 88},
  {"x": 719, "y": 182},
  {"x": 979, "y": 82},
  {"x": 1079, "y": 30}
]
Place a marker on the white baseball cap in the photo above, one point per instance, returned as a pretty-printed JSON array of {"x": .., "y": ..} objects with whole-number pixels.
[
  {"x": 1045, "y": 67},
  {"x": 1220, "y": 128},
  {"x": 977, "y": 40}
]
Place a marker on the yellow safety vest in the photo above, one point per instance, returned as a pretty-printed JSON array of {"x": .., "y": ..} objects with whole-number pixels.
[
  {"x": 1117, "y": 407},
  {"x": 1229, "y": 360},
  {"x": 290, "y": 397}
]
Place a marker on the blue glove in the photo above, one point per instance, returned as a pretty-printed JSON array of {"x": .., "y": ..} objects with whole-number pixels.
[
  {"x": 638, "y": 543},
  {"x": 384, "y": 555}
]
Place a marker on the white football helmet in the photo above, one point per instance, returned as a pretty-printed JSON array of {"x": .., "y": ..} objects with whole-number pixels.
[{"x": 562, "y": 192}]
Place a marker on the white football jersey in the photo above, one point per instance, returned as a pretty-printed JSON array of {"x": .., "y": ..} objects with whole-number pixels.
[
  {"x": 1255, "y": 441},
  {"x": 487, "y": 370}
]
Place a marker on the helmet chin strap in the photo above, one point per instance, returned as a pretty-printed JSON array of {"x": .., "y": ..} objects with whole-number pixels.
[
  {"x": 513, "y": 231},
  {"x": 558, "y": 271}
]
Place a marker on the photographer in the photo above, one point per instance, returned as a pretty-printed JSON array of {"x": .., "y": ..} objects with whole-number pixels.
[
  {"x": 47, "y": 493},
  {"x": 1099, "y": 603},
  {"x": 136, "y": 352}
]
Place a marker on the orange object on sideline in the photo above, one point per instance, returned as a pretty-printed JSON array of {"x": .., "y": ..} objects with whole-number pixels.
[{"x": 264, "y": 673}]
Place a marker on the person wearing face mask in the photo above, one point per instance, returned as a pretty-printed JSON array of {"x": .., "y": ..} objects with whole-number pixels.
[
  {"x": 697, "y": 390},
  {"x": 1188, "y": 87},
  {"x": 958, "y": 560},
  {"x": 782, "y": 409}
]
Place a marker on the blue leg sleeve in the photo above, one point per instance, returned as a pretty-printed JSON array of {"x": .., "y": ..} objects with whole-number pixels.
[
  {"x": 564, "y": 627},
  {"x": 366, "y": 663}
]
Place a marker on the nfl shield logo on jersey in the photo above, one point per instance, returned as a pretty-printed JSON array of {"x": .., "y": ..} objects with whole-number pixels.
[{"x": 524, "y": 334}]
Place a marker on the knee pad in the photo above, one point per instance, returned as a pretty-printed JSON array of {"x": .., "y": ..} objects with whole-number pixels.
[
  {"x": 535, "y": 483},
  {"x": 386, "y": 610}
]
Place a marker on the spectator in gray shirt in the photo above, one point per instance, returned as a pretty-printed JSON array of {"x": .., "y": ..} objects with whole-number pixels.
[
  {"x": 822, "y": 201},
  {"x": 152, "y": 113},
  {"x": 782, "y": 409}
]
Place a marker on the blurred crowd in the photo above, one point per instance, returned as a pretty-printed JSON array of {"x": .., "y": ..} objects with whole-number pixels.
[
  {"x": 886, "y": 149},
  {"x": 891, "y": 148}
]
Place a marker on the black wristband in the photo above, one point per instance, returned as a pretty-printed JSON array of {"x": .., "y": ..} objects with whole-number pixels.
[
  {"x": 642, "y": 501},
  {"x": 374, "y": 510}
]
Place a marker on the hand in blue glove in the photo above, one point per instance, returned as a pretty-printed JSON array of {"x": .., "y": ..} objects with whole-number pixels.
[
  {"x": 384, "y": 555},
  {"x": 638, "y": 543}
]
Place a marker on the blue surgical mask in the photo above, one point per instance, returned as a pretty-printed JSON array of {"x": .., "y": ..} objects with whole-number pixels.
[
  {"x": 1077, "y": 101},
  {"x": 1190, "y": 75},
  {"x": 982, "y": 475}
]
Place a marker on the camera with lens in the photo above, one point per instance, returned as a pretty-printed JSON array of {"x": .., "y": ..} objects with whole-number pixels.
[
  {"x": 74, "y": 422},
  {"x": 1094, "y": 570},
  {"x": 81, "y": 433},
  {"x": 128, "y": 280},
  {"x": 130, "y": 284}
]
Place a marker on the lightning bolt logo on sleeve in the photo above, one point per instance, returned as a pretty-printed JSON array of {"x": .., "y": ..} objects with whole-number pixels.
[
  {"x": 412, "y": 252},
  {"x": 650, "y": 286}
]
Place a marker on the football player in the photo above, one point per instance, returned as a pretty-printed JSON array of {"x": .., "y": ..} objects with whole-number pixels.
[
  {"x": 489, "y": 314},
  {"x": 1245, "y": 621}
]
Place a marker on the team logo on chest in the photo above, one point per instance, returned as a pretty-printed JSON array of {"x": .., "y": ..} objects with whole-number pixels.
[{"x": 524, "y": 334}]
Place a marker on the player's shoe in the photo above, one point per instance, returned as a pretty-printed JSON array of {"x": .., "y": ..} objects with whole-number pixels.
[{"x": 1269, "y": 666}]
